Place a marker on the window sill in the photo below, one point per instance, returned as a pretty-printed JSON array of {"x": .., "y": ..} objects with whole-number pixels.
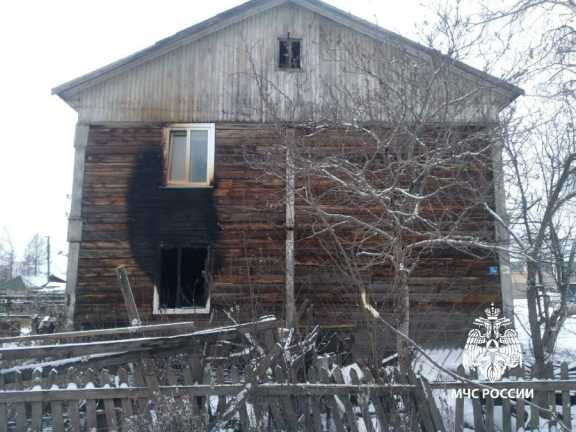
[
  {"x": 192, "y": 186},
  {"x": 183, "y": 311},
  {"x": 290, "y": 70}
]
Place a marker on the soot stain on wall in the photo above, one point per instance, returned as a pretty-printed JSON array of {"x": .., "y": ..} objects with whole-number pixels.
[{"x": 166, "y": 217}]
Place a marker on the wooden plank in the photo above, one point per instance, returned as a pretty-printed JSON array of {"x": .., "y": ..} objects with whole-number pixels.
[
  {"x": 566, "y": 411},
  {"x": 535, "y": 412},
  {"x": 275, "y": 406},
  {"x": 363, "y": 401},
  {"x": 478, "y": 417},
  {"x": 139, "y": 379},
  {"x": 73, "y": 405},
  {"x": 201, "y": 390},
  {"x": 549, "y": 398},
  {"x": 520, "y": 414},
  {"x": 330, "y": 400},
  {"x": 20, "y": 408},
  {"x": 506, "y": 416},
  {"x": 91, "y": 421},
  {"x": 145, "y": 329},
  {"x": 286, "y": 402},
  {"x": 489, "y": 418},
  {"x": 109, "y": 410},
  {"x": 242, "y": 410},
  {"x": 345, "y": 399},
  {"x": 128, "y": 295},
  {"x": 131, "y": 345},
  {"x": 219, "y": 379},
  {"x": 432, "y": 407},
  {"x": 315, "y": 402},
  {"x": 541, "y": 385},
  {"x": 420, "y": 403},
  {"x": 189, "y": 380},
  {"x": 126, "y": 403},
  {"x": 3, "y": 410},
  {"x": 56, "y": 406},
  {"x": 36, "y": 411},
  {"x": 459, "y": 415},
  {"x": 377, "y": 401}
]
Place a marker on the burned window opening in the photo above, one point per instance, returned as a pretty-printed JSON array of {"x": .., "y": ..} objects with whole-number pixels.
[
  {"x": 289, "y": 53},
  {"x": 184, "y": 277}
]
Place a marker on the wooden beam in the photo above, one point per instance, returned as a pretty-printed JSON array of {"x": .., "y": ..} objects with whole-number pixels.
[
  {"x": 261, "y": 390},
  {"x": 119, "y": 331},
  {"x": 128, "y": 295},
  {"x": 75, "y": 220},
  {"x": 132, "y": 345},
  {"x": 538, "y": 385}
]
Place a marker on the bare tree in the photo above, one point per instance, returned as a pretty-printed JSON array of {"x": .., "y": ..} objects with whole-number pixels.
[
  {"x": 542, "y": 186},
  {"x": 34, "y": 256},
  {"x": 7, "y": 256},
  {"x": 535, "y": 42},
  {"x": 387, "y": 173}
]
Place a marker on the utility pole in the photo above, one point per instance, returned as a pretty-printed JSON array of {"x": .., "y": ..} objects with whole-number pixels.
[{"x": 48, "y": 258}]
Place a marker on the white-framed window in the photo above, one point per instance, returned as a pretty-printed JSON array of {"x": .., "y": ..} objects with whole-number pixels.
[{"x": 189, "y": 154}]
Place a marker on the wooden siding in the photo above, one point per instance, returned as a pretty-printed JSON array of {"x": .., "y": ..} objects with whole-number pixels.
[
  {"x": 212, "y": 79},
  {"x": 128, "y": 215}
]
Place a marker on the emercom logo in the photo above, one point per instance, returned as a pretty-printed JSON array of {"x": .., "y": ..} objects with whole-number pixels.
[{"x": 493, "y": 347}]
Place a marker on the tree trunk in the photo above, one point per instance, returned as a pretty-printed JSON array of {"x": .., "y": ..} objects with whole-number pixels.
[
  {"x": 403, "y": 291},
  {"x": 538, "y": 369}
]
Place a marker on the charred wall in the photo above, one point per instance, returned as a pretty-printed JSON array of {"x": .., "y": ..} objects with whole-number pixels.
[{"x": 128, "y": 215}]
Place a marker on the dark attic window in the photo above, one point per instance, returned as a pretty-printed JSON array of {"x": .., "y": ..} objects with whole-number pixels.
[
  {"x": 184, "y": 278},
  {"x": 289, "y": 53}
]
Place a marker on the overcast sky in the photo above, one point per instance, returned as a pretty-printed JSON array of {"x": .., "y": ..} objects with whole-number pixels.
[{"x": 46, "y": 43}]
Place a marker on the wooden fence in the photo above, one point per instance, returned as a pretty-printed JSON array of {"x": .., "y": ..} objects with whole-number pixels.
[
  {"x": 331, "y": 399},
  {"x": 493, "y": 407},
  {"x": 243, "y": 378},
  {"x": 132, "y": 400}
]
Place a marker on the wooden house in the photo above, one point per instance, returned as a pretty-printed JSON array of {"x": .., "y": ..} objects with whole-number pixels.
[{"x": 162, "y": 185}]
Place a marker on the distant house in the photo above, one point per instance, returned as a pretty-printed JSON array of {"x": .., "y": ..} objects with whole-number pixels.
[
  {"x": 18, "y": 286},
  {"x": 162, "y": 186},
  {"x": 23, "y": 299}
]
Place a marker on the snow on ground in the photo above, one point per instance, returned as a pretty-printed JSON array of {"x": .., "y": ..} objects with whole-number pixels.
[
  {"x": 451, "y": 358},
  {"x": 565, "y": 346}
]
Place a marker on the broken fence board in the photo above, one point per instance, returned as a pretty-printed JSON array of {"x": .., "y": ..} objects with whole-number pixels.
[{"x": 566, "y": 409}]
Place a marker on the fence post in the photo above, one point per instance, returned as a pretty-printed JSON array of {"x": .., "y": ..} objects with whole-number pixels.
[
  {"x": 459, "y": 409},
  {"x": 566, "y": 414},
  {"x": 3, "y": 410}
]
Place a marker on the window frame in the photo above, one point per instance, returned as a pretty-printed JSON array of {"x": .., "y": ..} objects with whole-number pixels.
[
  {"x": 289, "y": 40},
  {"x": 157, "y": 309},
  {"x": 187, "y": 127}
]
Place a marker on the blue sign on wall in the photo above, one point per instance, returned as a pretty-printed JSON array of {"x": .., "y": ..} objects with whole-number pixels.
[{"x": 493, "y": 270}]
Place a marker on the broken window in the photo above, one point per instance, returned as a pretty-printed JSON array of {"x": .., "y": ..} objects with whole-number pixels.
[
  {"x": 185, "y": 278},
  {"x": 289, "y": 53},
  {"x": 190, "y": 155}
]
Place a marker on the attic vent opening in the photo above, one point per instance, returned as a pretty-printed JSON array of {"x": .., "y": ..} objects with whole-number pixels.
[
  {"x": 184, "y": 278},
  {"x": 289, "y": 53}
]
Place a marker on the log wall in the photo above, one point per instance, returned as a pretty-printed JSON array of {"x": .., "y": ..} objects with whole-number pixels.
[{"x": 128, "y": 215}]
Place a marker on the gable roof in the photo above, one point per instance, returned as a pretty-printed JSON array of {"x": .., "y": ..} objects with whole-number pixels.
[{"x": 246, "y": 10}]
